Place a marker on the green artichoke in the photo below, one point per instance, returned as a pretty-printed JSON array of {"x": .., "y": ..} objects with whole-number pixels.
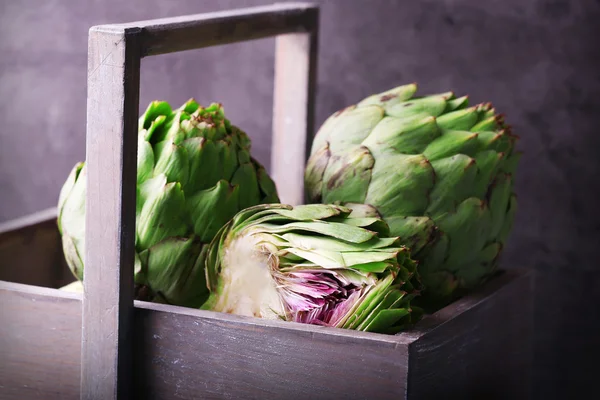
[
  {"x": 438, "y": 171},
  {"x": 194, "y": 173},
  {"x": 316, "y": 264}
]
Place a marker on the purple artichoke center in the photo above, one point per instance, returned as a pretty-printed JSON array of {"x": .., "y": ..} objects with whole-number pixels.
[{"x": 316, "y": 297}]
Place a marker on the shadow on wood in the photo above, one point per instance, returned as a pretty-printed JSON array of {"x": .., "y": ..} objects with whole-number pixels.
[{"x": 477, "y": 347}]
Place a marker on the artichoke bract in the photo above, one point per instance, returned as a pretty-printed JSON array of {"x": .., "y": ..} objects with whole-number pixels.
[
  {"x": 438, "y": 171},
  {"x": 194, "y": 173},
  {"x": 315, "y": 264}
]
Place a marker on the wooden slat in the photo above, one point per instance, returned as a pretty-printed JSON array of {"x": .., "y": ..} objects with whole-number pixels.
[
  {"x": 203, "y": 355},
  {"x": 111, "y": 147},
  {"x": 167, "y": 35},
  {"x": 189, "y": 354},
  {"x": 40, "y": 336},
  {"x": 31, "y": 251},
  {"x": 113, "y": 94},
  {"x": 293, "y": 112},
  {"x": 479, "y": 347}
]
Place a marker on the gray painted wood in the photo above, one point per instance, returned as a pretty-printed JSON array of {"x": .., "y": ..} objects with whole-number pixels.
[
  {"x": 293, "y": 112},
  {"x": 31, "y": 251},
  {"x": 111, "y": 149},
  {"x": 114, "y": 56},
  {"x": 477, "y": 347}
]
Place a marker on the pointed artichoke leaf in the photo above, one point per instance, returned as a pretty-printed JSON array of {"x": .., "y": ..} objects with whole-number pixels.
[
  {"x": 245, "y": 177},
  {"x": 510, "y": 164},
  {"x": 384, "y": 319},
  {"x": 374, "y": 296},
  {"x": 205, "y": 169},
  {"x": 499, "y": 198},
  {"x": 390, "y": 97},
  {"x": 190, "y": 106},
  {"x": 324, "y": 258},
  {"x": 400, "y": 184},
  {"x": 154, "y": 110},
  {"x": 406, "y": 136},
  {"x": 333, "y": 229},
  {"x": 457, "y": 104},
  {"x": 266, "y": 184},
  {"x": 352, "y": 258},
  {"x": 173, "y": 163},
  {"x": 348, "y": 176},
  {"x": 347, "y": 128},
  {"x": 149, "y": 188},
  {"x": 313, "y": 173},
  {"x": 455, "y": 177},
  {"x": 391, "y": 298},
  {"x": 467, "y": 230},
  {"x": 210, "y": 209},
  {"x": 66, "y": 189},
  {"x": 376, "y": 267},
  {"x": 162, "y": 216},
  {"x": 487, "y": 162},
  {"x": 74, "y": 252},
  {"x": 212, "y": 263},
  {"x": 361, "y": 210},
  {"x": 452, "y": 143},
  {"x": 171, "y": 266},
  {"x": 414, "y": 232},
  {"x": 323, "y": 242},
  {"x": 252, "y": 215},
  {"x": 72, "y": 224},
  {"x": 477, "y": 273},
  {"x": 145, "y": 160},
  {"x": 508, "y": 219},
  {"x": 309, "y": 212},
  {"x": 432, "y": 106},
  {"x": 460, "y": 120},
  {"x": 487, "y": 124},
  {"x": 433, "y": 255}
]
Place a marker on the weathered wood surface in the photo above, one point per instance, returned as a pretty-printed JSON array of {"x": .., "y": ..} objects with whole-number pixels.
[
  {"x": 40, "y": 343},
  {"x": 114, "y": 55},
  {"x": 31, "y": 251},
  {"x": 167, "y": 35},
  {"x": 293, "y": 112},
  {"x": 111, "y": 154},
  {"x": 479, "y": 347},
  {"x": 459, "y": 352},
  {"x": 189, "y": 354}
]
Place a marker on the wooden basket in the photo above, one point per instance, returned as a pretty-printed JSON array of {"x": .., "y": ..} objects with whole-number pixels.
[{"x": 105, "y": 345}]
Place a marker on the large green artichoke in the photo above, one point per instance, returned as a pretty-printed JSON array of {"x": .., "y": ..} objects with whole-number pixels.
[
  {"x": 316, "y": 264},
  {"x": 194, "y": 173},
  {"x": 438, "y": 171}
]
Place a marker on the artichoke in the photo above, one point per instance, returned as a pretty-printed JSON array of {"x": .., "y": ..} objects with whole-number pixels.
[
  {"x": 438, "y": 171},
  {"x": 194, "y": 173},
  {"x": 316, "y": 264}
]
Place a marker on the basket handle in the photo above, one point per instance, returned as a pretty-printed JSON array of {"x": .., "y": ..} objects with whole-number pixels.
[{"x": 114, "y": 54}]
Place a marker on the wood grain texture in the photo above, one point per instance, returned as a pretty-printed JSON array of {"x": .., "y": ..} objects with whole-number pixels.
[
  {"x": 462, "y": 351},
  {"x": 167, "y": 35},
  {"x": 293, "y": 112},
  {"x": 40, "y": 336},
  {"x": 479, "y": 347},
  {"x": 111, "y": 154},
  {"x": 113, "y": 95},
  {"x": 188, "y": 354},
  {"x": 31, "y": 251},
  {"x": 196, "y": 354}
]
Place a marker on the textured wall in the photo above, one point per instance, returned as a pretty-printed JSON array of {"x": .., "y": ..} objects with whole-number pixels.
[{"x": 536, "y": 60}]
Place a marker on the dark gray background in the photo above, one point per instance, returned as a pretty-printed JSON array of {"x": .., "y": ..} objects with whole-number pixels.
[{"x": 538, "y": 61}]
